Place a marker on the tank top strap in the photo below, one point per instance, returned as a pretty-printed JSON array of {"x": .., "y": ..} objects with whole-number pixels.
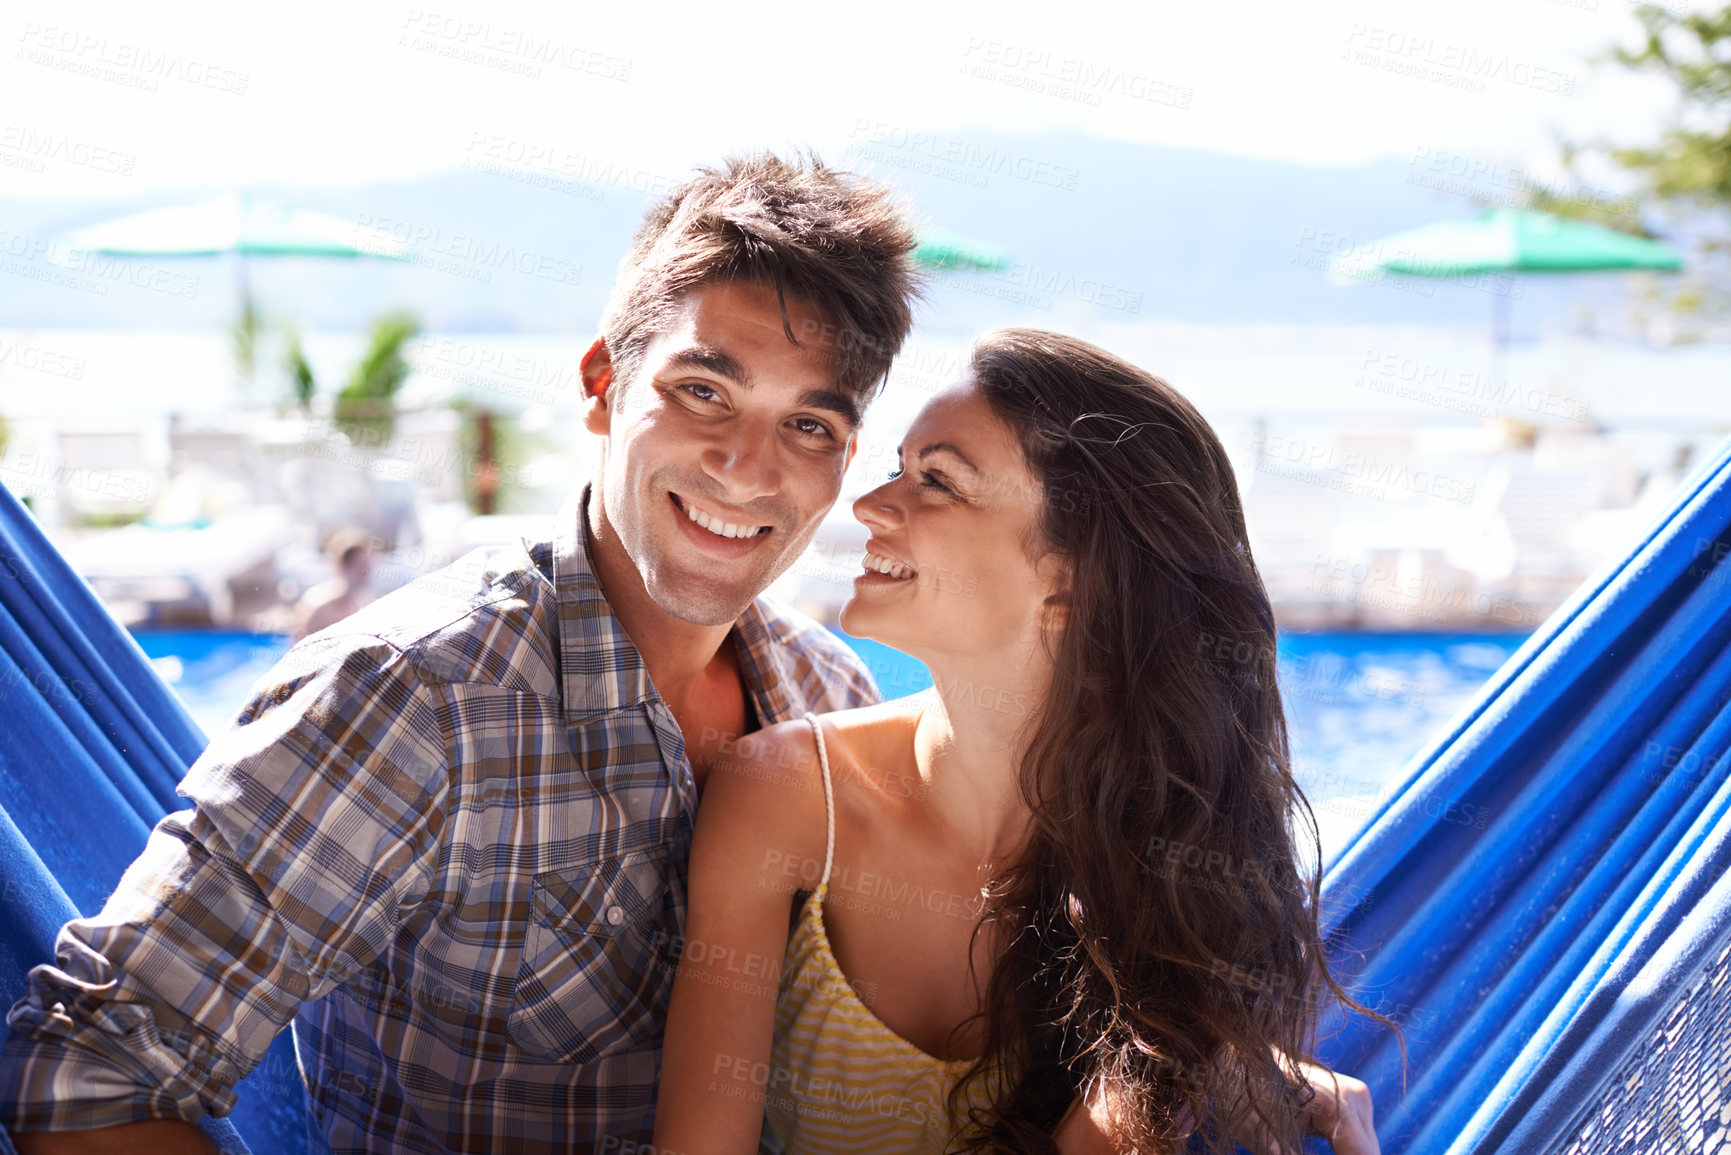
[{"x": 828, "y": 798}]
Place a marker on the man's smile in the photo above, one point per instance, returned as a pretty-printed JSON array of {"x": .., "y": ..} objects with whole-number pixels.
[{"x": 728, "y": 536}]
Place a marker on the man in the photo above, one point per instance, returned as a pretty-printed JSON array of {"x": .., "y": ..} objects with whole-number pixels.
[{"x": 449, "y": 837}]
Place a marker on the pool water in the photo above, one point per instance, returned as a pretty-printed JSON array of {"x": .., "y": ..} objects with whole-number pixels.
[
  {"x": 1358, "y": 706},
  {"x": 211, "y": 670}
]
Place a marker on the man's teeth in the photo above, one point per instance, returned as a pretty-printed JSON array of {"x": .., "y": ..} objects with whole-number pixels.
[
  {"x": 884, "y": 565},
  {"x": 718, "y": 527}
]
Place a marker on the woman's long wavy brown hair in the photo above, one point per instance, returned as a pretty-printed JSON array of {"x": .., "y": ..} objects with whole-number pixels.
[{"x": 1158, "y": 934}]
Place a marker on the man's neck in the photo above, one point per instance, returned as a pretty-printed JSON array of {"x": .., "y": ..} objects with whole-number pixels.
[{"x": 677, "y": 653}]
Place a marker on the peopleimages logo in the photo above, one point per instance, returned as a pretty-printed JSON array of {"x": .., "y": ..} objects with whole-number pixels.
[
  {"x": 1451, "y": 65},
  {"x": 462, "y": 254},
  {"x": 585, "y": 174},
  {"x": 85, "y": 271},
  {"x": 40, "y": 359},
  {"x": 1365, "y": 475},
  {"x": 955, "y": 157},
  {"x": 27, "y": 148},
  {"x": 122, "y": 61},
  {"x": 517, "y": 50},
  {"x": 1066, "y": 77},
  {"x": 1462, "y": 390}
]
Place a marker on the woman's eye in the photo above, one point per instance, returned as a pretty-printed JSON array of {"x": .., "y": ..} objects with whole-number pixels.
[{"x": 927, "y": 480}]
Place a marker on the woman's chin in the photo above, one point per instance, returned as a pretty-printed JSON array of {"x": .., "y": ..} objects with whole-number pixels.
[
  {"x": 851, "y": 620},
  {"x": 865, "y": 621}
]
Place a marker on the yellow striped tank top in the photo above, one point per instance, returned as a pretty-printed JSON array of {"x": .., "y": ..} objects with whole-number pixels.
[{"x": 844, "y": 1081}]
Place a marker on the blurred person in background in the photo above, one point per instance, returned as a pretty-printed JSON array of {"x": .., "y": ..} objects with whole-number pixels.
[{"x": 351, "y": 552}]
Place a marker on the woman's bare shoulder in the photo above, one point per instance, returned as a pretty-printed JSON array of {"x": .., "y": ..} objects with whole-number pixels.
[
  {"x": 775, "y": 774},
  {"x": 867, "y": 726},
  {"x": 871, "y": 755},
  {"x": 763, "y": 802}
]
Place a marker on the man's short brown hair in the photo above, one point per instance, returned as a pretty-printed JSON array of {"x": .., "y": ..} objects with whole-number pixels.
[{"x": 833, "y": 239}]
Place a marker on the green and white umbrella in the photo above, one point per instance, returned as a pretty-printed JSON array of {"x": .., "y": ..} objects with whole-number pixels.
[
  {"x": 943, "y": 250},
  {"x": 1504, "y": 240},
  {"x": 240, "y": 224},
  {"x": 237, "y": 224}
]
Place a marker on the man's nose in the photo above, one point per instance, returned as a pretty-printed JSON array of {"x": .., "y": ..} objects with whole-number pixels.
[{"x": 745, "y": 462}]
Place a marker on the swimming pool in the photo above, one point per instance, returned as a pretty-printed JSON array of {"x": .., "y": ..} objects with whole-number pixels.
[{"x": 1359, "y": 706}]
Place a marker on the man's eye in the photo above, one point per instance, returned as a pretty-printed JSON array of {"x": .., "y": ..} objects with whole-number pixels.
[
  {"x": 702, "y": 392},
  {"x": 812, "y": 426}
]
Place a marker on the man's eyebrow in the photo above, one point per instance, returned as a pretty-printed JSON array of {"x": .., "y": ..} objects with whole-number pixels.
[
  {"x": 712, "y": 360},
  {"x": 833, "y": 400},
  {"x": 946, "y": 447}
]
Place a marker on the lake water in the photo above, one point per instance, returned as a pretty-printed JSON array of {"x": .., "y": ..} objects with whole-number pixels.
[{"x": 1359, "y": 706}]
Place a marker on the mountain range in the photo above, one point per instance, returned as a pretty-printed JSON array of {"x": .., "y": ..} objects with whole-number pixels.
[{"x": 1094, "y": 230}]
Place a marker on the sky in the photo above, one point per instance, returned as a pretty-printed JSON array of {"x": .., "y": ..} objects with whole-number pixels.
[{"x": 105, "y": 101}]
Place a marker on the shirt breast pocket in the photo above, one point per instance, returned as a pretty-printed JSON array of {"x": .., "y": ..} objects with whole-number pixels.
[{"x": 595, "y": 974}]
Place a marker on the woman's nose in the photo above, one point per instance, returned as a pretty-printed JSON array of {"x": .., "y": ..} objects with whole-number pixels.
[{"x": 877, "y": 509}]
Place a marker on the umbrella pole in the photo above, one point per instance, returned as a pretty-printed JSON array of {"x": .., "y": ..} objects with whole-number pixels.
[
  {"x": 246, "y": 323},
  {"x": 1499, "y": 340}
]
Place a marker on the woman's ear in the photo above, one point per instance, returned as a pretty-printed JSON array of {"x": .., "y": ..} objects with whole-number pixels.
[
  {"x": 597, "y": 370},
  {"x": 1054, "y": 573}
]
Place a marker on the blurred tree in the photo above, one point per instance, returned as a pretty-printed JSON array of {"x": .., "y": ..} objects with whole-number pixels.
[
  {"x": 1692, "y": 160},
  {"x": 243, "y": 334},
  {"x": 300, "y": 374},
  {"x": 1686, "y": 173},
  {"x": 366, "y": 408}
]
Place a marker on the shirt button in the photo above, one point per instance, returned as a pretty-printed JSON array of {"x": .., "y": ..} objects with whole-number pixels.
[{"x": 615, "y": 915}]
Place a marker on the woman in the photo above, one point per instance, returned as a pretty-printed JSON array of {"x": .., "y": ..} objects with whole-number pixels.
[{"x": 1057, "y": 899}]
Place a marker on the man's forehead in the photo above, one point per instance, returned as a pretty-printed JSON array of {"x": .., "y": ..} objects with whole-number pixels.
[{"x": 710, "y": 310}]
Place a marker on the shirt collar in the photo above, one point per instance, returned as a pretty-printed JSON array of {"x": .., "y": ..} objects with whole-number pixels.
[{"x": 601, "y": 669}]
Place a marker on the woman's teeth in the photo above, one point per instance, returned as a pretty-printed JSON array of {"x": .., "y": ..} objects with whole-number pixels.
[
  {"x": 884, "y": 565},
  {"x": 718, "y": 527}
]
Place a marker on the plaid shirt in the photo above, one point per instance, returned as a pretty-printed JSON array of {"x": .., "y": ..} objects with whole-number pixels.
[{"x": 448, "y": 836}]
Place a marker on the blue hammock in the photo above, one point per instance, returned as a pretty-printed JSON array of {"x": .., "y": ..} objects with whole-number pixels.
[
  {"x": 92, "y": 744},
  {"x": 1561, "y": 974}
]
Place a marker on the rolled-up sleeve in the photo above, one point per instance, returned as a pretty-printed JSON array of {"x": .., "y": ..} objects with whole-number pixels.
[{"x": 316, "y": 822}]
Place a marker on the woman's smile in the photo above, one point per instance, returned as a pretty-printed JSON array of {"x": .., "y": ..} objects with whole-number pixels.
[{"x": 878, "y": 562}]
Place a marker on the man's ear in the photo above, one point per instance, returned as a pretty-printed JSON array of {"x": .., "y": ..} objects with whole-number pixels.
[
  {"x": 852, "y": 449},
  {"x": 597, "y": 369}
]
